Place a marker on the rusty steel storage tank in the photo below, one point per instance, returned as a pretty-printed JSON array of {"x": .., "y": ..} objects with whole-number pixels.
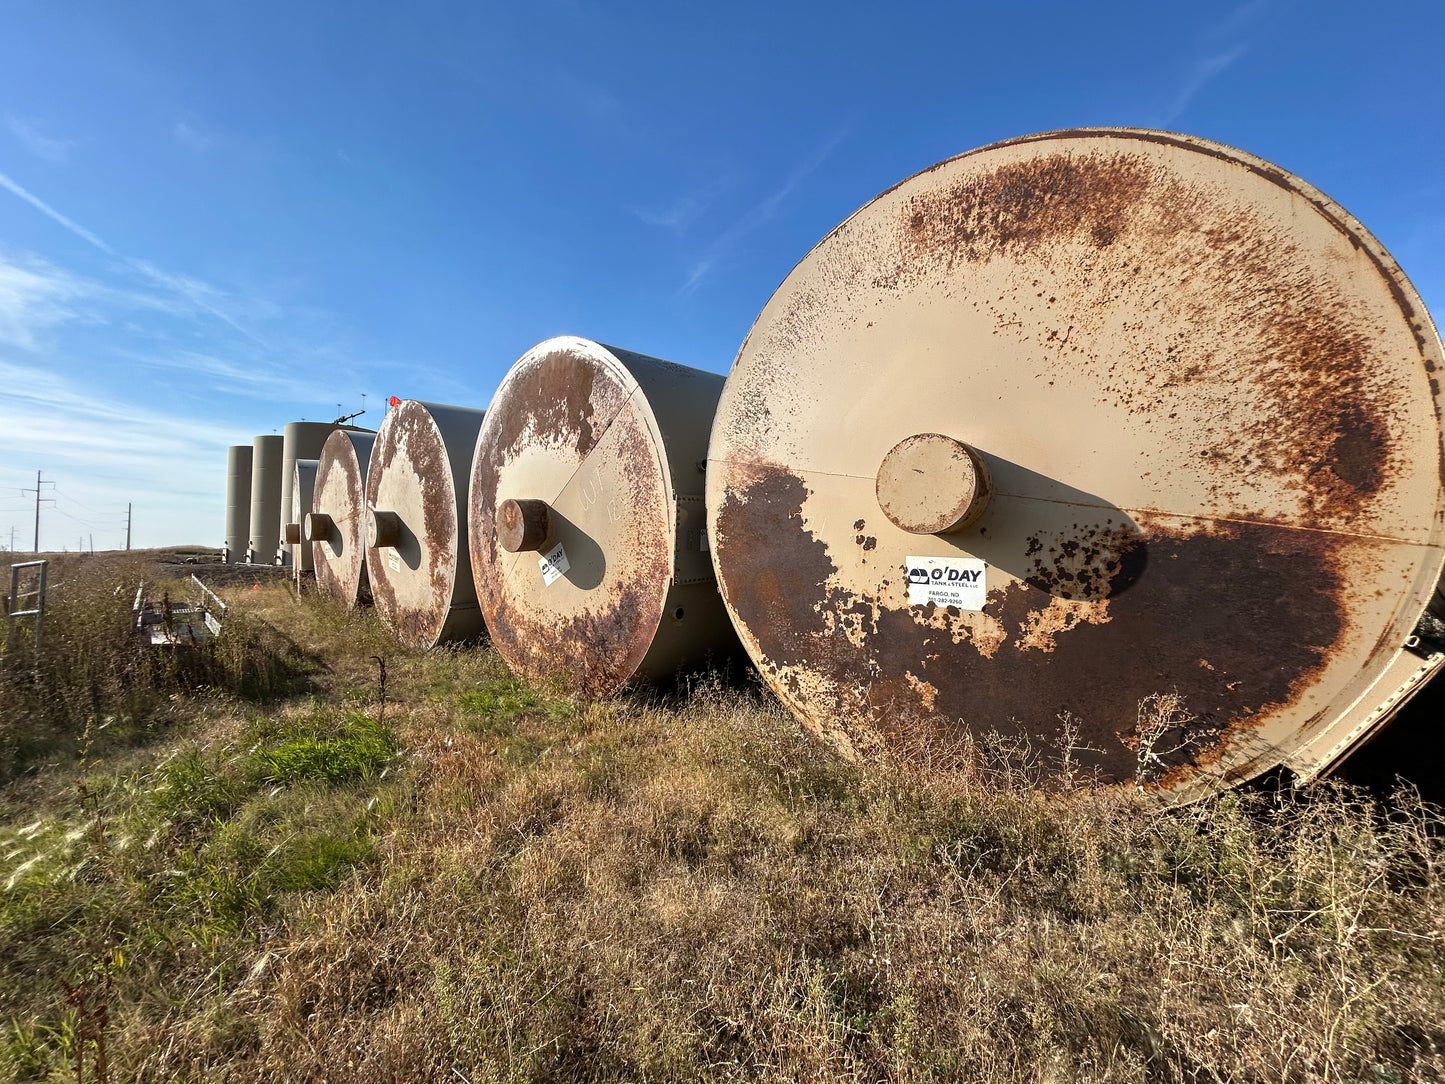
[
  {"x": 1123, "y": 443},
  {"x": 588, "y": 534},
  {"x": 416, "y": 522},
  {"x": 336, "y": 525},
  {"x": 238, "y": 503},
  {"x": 265, "y": 500},
  {"x": 303, "y": 485},
  {"x": 300, "y": 440}
]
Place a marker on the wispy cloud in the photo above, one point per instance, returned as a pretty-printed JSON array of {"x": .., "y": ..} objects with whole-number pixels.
[
  {"x": 248, "y": 376},
  {"x": 676, "y": 216},
  {"x": 199, "y": 295},
  {"x": 679, "y": 215},
  {"x": 34, "y": 298},
  {"x": 45, "y": 209},
  {"x": 205, "y": 298},
  {"x": 715, "y": 255},
  {"x": 194, "y": 135},
  {"x": 107, "y": 451},
  {"x": 1201, "y": 73},
  {"x": 49, "y": 148},
  {"x": 1218, "y": 47}
]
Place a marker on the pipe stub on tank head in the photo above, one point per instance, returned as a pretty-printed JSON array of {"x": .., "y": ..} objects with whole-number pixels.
[
  {"x": 523, "y": 525},
  {"x": 316, "y": 527},
  {"x": 383, "y": 529},
  {"x": 932, "y": 484}
]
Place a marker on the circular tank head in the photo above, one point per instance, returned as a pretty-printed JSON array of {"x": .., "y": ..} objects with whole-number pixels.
[
  {"x": 335, "y": 526},
  {"x": 573, "y": 522},
  {"x": 1201, "y": 402},
  {"x": 417, "y": 557},
  {"x": 300, "y": 440}
]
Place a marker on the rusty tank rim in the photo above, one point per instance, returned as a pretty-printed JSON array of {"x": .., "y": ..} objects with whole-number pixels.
[
  {"x": 1311, "y": 487},
  {"x": 421, "y": 585},
  {"x": 339, "y": 553},
  {"x": 569, "y": 594}
]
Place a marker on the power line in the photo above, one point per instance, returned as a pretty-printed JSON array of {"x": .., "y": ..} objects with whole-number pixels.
[
  {"x": 40, "y": 485},
  {"x": 76, "y": 519},
  {"x": 88, "y": 508}
]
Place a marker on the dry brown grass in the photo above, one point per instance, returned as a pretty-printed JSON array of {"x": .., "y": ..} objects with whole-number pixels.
[{"x": 650, "y": 890}]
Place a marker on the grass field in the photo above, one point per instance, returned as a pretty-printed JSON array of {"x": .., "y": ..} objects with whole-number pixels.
[{"x": 245, "y": 866}]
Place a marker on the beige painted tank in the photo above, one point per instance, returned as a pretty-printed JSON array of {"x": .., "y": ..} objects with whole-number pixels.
[
  {"x": 1122, "y": 443},
  {"x": 300, "y": 440},
  {"x": 303, "y": 488},
  {"x": 238, "y": 503},
  {"x": 416, "y": 527},
  {"x": 336, "y": 525},
  {"x": 265, "y": 500},
  {"x": 588, "y": 537}
]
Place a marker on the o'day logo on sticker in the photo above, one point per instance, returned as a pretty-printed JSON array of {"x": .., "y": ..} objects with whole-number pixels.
[
  {"x": 946, "y": 581},
  {"x": 554, "y": 565}
]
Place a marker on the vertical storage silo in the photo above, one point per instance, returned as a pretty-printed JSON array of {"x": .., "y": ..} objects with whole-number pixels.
[
  {"x": 300, "y": 440},
  {"x": 265, "y": 500},
  {"x": 336, "y": 526},
  {"x": 238, "y": 502},
  {"x": 416, "y": 498}
]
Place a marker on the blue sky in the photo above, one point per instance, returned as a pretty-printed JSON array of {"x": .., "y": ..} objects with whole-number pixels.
[{"x": 217, "y": 217}]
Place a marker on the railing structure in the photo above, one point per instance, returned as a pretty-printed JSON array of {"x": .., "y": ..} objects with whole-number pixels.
[{"x": 37, "y": 592}]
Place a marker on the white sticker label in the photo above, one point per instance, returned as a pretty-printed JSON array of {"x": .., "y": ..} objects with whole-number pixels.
[
  {"x": 393, "y": 560},
  {"x": 946, "y": 581},
  {"x": 554, "y": 565}
]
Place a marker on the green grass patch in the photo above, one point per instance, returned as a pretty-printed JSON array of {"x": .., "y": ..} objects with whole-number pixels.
[
  {"x": 355, "y": 746},
  {"x": 497, "y": 707}
]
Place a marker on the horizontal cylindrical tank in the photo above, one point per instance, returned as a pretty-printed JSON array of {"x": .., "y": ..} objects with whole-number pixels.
[
  {"x": 265, "y": 500},
  {"x": 238, "y": 503},
  {"x": 587, "y": 534},
  {"x": 416, "y": 532},
  {"x": 1120, "y": 445},
  {"x": 336, "y": 527},
  {"x": 300, "y": 440},
  {"x": 303, "y": 484}
]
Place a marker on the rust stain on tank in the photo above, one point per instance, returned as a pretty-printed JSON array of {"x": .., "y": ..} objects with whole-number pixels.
[
  {"x": 342, "y": 470},
  {"x": 1269, "y": 597},
  {"x": 1023, "y": 205},
  {"x": 1258, "y": 311},
  {"x": 598, "y": 648},
  {"x": 411, "y": 427}
]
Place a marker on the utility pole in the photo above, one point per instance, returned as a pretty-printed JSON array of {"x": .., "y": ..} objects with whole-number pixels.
[
  {"x": 127, "y": 525},
  {"x": 92, "y": 543},
  {"x": 38, "y": 501}
]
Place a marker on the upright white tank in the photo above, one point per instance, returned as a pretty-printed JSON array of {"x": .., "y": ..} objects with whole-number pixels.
[
  {"x": 265, "y": 500},
  {"x": 300, "y": 440},
  {"x": 238, "y": 502}
]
